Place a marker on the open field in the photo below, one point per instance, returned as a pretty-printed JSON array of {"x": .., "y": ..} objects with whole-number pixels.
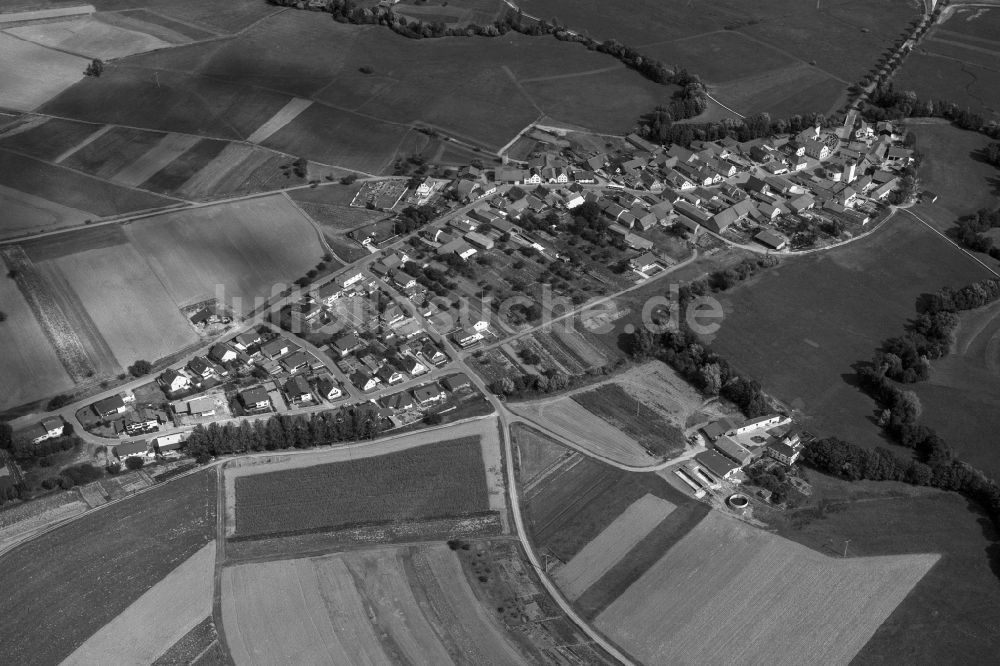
[
  {"x": 175, "y": 174},
  {"x": 437, "y": 481},
  {"x": 721, "y": 56},
  {"x": 615, "y": 405},
  {"x": 237, "y": 169},
  {"x": 795, "y": 89},
  {"x": 535, "y": 455},
  {"x": 113, "y": 151},
  {"x": 34, "y": 74},
  {"x": 868, "y": 291},
  {"x": 569, "y": 419},
  {"x": 48, "y": 138},
  {"x": 611, "y": 545},
  {"x": 378, "y": 606},
  {"x": 29, "y": 366},
  {"x": 948, "y": 616},
  {"x": 239, "y": 250},
  {"x": 25, "y": 213},
  {"x": 168, "y": 148},
  {"x": 89, "y": 37},
  {"x": 72, "y": 189},
  {"x": 59, "y": 589},
  {"x": 131, "y": 309},
  {"x": 157, "y": 619},
  {"x": 728, "y": 592}
]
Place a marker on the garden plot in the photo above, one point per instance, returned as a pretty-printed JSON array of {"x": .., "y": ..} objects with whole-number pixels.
[
  {"x": 611, "y": 545},
  {"x": 730, "y": 593},
  {"x": 33, "y": 74}
]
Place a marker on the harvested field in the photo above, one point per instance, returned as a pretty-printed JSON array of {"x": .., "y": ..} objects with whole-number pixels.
[
  {"x": 728, "y": 592},
  {"x": 48, "y": 139},
  {"x": 34, "y": 74},
  {"x": 157, "y": 619},
  {"x": 570, "y": 420},
  {"x": 166, "y": 150},
  {"x": 243, "y": 250},
  {"x": 141, "y": 321},
  {"x": 616, "y": 406},
  {"x": 440, "y": 480},
  {"x": 73, "y": 190},
  {"x": 58, "y": 591},
  {"x": 30, "y": 367},
  {"x": 611, "y": 545},
  {"x": 89, "y": 37},
  {"x": 374, "y": 607}
]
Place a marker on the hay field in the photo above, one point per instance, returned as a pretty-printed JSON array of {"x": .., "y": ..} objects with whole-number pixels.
[
  {"x": 606, "y": 549},
  {"x": 730, "y": 593},
  {"x": 242, "y": 249},
  {"x": 89, "y": 37},
  {"x": 33, "y": 74},
  {"x": 131, "y": 309},
  {"x": 570, "y": 420},
  {"x": 156, "y": 620},
  {"x": 410, "y": 604},
  {"x": 29, "y": 367}
]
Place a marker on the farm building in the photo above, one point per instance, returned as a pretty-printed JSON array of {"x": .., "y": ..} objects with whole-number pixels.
[
  {"x": 717, "y": 429},
  {"x": 255, "y": 398},
  {"x": 770, "y": 239},
  {"x": 717, "y": 464},
  {"x": 781, "y": 452},
  {"x": 733, "y": 450},
  {"x": 759, "y": 423},
  {"x": 110, "y": 406}
]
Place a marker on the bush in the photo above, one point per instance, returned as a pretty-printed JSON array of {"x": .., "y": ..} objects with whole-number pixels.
[
  {"x": 140, "y": 368},
  {"x": 114, "y": 468},
  {"x": 82, "y": 473},
  {"x": 59, "y": 401},
  {"x": 134, "y": 462}
]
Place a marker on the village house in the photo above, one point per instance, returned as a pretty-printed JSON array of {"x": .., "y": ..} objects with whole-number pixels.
[
  {"x": 201, "y": 407},
  {"x": 433, "y": 354},
  {"x": 347, "y": 343},
  {"x": 279, "y": 346},
  {"x": 244, "y": 341},
  {"x": 644, "y": 262},
  {"x": 467, "y": 336},
  {"x": 428, "y": 395},
  {"x": 173, "y": 381},
  {"x": 398, "y": 402},
  {"x": 222, "y": 353},
  {"x": 110, "y": 406},
  {"x": 411, "y": 366},
  {"x": 782, "y": 452},
  {"x": 364, "y": 381},
  {"x": 817, "y": 150},
  {"x": 328, "y": 388},
  {"x": 297, "y": 390},
  {"x": 202, "y": 369},
  {"x": 456, "y": 382},
  {"x": 137, "y": 447},
  {"x": 255, "y": 398},
  {"x": 295, "y": 361}
]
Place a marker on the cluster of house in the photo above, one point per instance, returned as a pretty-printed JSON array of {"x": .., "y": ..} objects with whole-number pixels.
[
  {"x": 126, "y": 417},
  {"x": 383, "y": 366},
  {"x": 732, "y": 447},
  {"x": 426, "y": 396}
]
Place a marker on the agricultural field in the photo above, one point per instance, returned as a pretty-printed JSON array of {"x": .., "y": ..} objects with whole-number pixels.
[
  {"x": 957, "y": 59},
  {"x": 141, "y": 321},
  {"x": 611, "y": 545},
  {"x": 89, "y": 37},
  {"x": 868, "y": 291},
  {"x": 247, "y": 249},
  {"x": 154, "y": 622},
  {"x": 58, "y": 591},
  {"x": 411, "y": 603},
  {"x": 952, "y": 607},
  {"x": 46, "y": 138},
  {"x": 615, "y": 405},
  {"x": 442, "y": 480},
  {"x": 571, "y": 421},
  {"x": 29, "y": 366},
  {"x": 34, "y": 74},
  {"x": 731, "y": 592}
]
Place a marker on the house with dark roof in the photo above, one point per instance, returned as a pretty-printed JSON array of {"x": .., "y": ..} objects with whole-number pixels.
[
  {"x": 297, "y": 390},
  {"x": 782, "y": 452},
  {"x": 347, "y": 343},
  {"x": 110, "y": 406},
  {"x": 328, "y": 388},
  {"x": 717, "y": 464},
  {"x": 733, "y": 450},
  {"x": 398, "y": 401},
  {"x": 771, "y": 240},
  {"x": 455, "y": 382},
  {"x": 255, "y": 398},
  {"x": 428, "y": 395},
  {"x": 137, "y": 447}
]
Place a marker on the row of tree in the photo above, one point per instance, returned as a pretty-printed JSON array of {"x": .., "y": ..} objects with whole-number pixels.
[
  {"x": 887, "y": 103},
  {"x": 282, "y": 432},
  {"x": 689, "y": 102},
  {"x": 659, "y": 126}
]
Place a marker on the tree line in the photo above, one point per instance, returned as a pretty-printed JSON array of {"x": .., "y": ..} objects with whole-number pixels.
[
  {"x": 694, "y": 360},
  {"x": 689, "y": 101},
  {"x": 658, "y": 126},
  {"x": 283, "y": 432},
  {"x": 887, "y": 103},
  {"x": 907, "y": 358}
]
